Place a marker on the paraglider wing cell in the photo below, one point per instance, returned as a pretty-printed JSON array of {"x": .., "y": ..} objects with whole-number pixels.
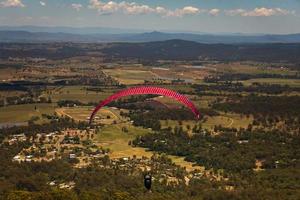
[{"x": 148, "y": 90}]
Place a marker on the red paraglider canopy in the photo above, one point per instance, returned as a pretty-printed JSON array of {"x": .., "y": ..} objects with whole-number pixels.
[{"x": 148, "y": 90}]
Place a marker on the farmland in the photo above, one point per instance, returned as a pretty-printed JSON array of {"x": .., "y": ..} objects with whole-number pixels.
[
  {"x": 130, "y": 76},
  {"x": 76, "y": 92},
  {"x": 23, "y": 113},
  {"x": 247, "y": 133}
]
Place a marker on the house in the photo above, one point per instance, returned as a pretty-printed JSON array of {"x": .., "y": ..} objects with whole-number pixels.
[
  {"x": 17, "y": 158},
  {"x": 72, "y": 156}
]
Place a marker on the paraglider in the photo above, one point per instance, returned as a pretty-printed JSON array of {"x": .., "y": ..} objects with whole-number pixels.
[
  {"x": 148, "y": 181},
  {"x": 142, "y": 91},
  {"x": 148, "y": 90}
]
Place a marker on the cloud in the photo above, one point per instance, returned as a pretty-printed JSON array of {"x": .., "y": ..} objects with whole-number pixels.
[
  {"x": 161, "y": 10},
  {"x": 125, "y": 7},
  {"x": 76, "y": 6},
  {"x": 235, "y": 12},
  {"x": 188, "y": 10},
  {"x": 266, "y": 12},
  {"x": 214, "y": 12},
  {"x": 138, "y": 9},
  {"x": 43, "y": 3},
  {"x": 260, "y": 12},
  {"x": 11, "y": 3},
  {"x": 133, "y": 8}
]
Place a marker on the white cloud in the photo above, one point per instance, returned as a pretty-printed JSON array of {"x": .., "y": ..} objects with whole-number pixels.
[
  {"x": 188, "y": 10},
  {"x": 262, "y": 12},
  {"x": 43, "y": 3},
  {"x": 137, "y": 9},
  {"x": 214, "y": 12},
  {"x": 76, "y": 6},
  {"x": 259, "y": 12},
  {"x": 11, "y": 3},
  {"x": 161, "y": 10},
  {"x": 134, "y": 8},
  {"x": 235, "y": 12},
  {"x": 111, "y": 7}
]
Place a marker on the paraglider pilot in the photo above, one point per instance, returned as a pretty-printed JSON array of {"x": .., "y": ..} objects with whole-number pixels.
[{"x": 148, "y": 181}]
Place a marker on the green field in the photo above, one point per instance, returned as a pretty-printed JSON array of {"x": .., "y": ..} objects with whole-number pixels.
[
  {"x": 76, "y": 93},
  {"x": 130, "y": 76},
  {"x": 82, "y": 113},
  {"x": 201, "y": 102},
  {"x": 253, "y": 68},
  {"x": 229, "y": 120},
  {"x": 23, "y": 113},
  {"x": 112, "y": 137}
]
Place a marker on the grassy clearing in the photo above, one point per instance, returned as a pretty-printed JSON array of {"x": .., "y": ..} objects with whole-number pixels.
[
  {"x": 188, "y": 165},
  {"x": 104, "y": 115},
  {"x": 229, "y": 120},
  {"x": 257, "y": 68},
  {"x": 174, "y": 123},
  {"x": 77, "y": 93},
  {"x": 23, "y": 113},
  {"x": 110, "y": 133},
  {"x": 200, "y": 102},
  {"x": 203, "y": 101},
  {"x": 129, "y": 77},
  {"x": 112, "y": 137},
  {"x": 116, "y": 140},
  {"x": 183, "y": 73}
]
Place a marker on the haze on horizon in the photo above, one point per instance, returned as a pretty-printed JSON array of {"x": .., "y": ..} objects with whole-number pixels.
[{"x": 209, "y": 16}]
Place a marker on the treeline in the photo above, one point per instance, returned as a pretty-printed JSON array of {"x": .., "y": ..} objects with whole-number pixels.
[
  {"x": 23, "y": 99},
  {"x": 12, "y": 87},
  {"x": 243, "y": 77},
  {"x": 61, "y": 51},
  {"x": 264, "y": 105},
  {"x": 75, "y": 80},
  {"x": 238, "y": 87},
  {"x": 82, "y": 80},
  {"x": 187, "y": 50}
]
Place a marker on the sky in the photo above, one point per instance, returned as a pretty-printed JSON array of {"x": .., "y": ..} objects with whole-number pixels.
[{"x": 206, "y": 16}]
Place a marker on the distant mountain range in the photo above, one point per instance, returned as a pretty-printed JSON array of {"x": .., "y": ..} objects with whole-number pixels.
[
  {"x": 73, "y": 30},
  {"x": 160, "y": 50},
  {"x": 66, "y": 34},
  {"x": 189, "y": 50}
]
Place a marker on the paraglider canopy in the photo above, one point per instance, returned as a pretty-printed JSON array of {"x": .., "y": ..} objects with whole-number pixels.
[{"x": 148, "y": 90}]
